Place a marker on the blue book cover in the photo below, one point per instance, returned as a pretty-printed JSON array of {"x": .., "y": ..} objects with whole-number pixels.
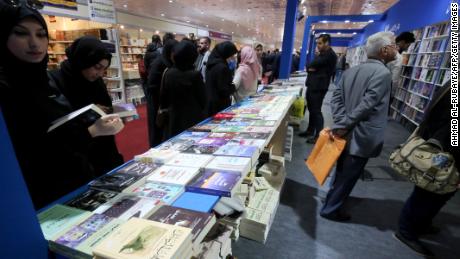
[
  {"x": 214, "y": 183},
  {"x": 236, "y": 150},
  {"x": 196, "y": 201}
]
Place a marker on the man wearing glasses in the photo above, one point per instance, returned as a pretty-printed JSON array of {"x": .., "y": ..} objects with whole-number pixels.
[{"x": 359, "y": 111}]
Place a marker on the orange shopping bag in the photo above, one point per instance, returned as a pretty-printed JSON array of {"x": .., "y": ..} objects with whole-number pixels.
[{"x": 324, "y": 155}]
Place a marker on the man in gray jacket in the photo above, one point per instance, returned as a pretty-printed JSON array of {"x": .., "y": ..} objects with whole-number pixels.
[{"x": 359, "y": 110}]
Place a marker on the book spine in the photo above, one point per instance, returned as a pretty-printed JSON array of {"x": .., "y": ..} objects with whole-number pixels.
[{"x": 208, "y": 191}]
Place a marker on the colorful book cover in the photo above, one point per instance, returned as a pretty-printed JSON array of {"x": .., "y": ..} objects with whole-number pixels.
[
  {"x": 195, "y": 220},
  {"x": 166, "y": 193},
  {"x": 214, "y": 183},
  {"x": 256, "y": 129},
  {"x": 222, "y": 135},
  {"x": 260, "y": 143},
  {"x": 202, "y": 149},
  {"x": 213, "y": 141},
  {"x": 126, "y": 206},
  {"x": 155, "y": 155},
  {"x": 114, "y": 182},
  {"x": 174, "y": 175},
  {"x": 138, "y": 169},
  {"x": 140, "y": 238},
  {"x": 190, "y": 160},
  {"x": 229, "y": 129},
  {"x": 240, "y": 165},
  {"x": 79, "y": 233},
  {"x": 90, "y": 200},
  {"x": 263, "y": 123},
  {"x": 237, "y": 150},
  {"x": 253, "y": 135},
  {"x": 196, "y": 201},
  {"x": 58, "y": 218},
  {"x": 176, "y": 144},
  {"x": 192, "y": 135},
  {"x": 203, "y": 128}
]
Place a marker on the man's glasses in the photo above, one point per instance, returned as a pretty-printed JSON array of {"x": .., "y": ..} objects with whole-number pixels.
[{"x": 34, "y": 4}]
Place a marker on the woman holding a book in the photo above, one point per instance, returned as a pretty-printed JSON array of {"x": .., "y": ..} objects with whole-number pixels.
[{"x": 53, "y": 164}]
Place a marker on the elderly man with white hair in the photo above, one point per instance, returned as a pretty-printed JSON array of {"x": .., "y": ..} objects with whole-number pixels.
[{"x": 359, "y": 110}]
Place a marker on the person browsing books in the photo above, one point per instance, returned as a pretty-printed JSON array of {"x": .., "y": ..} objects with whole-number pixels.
[
  {"x": 79, "y": 79},
  {"x": 219, "y": 84},
  {"x": 359, "y": 111},
  {"x": 53, "y": 164},
  {"x": 183, "y": 92},
  {"x": 247, "y": 74}
]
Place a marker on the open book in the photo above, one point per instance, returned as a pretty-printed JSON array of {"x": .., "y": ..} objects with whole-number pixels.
[{"x": 85, "y": 116}]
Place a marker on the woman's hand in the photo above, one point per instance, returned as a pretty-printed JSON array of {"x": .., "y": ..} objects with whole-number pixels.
[{"x": 106, "y": 125}]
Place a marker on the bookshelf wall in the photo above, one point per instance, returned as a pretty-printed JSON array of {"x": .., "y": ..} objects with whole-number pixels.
[{"x": 425, "y": 69}]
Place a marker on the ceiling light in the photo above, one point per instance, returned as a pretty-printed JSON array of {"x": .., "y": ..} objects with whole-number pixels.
[
  {"x": 347, "y": 21},
  {"x": 125, "y": 6},
  {"x": 122, "y": 26},
  {"x": 174, "y": 33},
  {"x": 249, "y": 10},
  {"x": 170, "y": 1},
  {"x": 202, "y": 12},
  {"x": 324, "y": 21},
  {"x": 157, "y": 32},
  {"x": 263, "y": 18},
  {"x": 237, "y": 25},
  {"x": 371, "y": 21},
  {"x": 162, "y": 14},
  {"x": 141, "y": 30},
  {"x": 207, "y": 25},
  {"x": 221, "y": 30},
  {"x": 233, "y": 32},
  {"x": 188, "y": 21},
  {"x": 339, "y": 33},
  {"x": 223, "y": 20},
  {"x": 354, "y": 33}
]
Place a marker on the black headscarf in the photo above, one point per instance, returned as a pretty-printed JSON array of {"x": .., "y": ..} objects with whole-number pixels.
[
  {"x": 13, "y": 68},
  {"x": 221, "y": 52},
  {"x": 185, "y": 54},
  {"x": 86, "y": 52},
  {"x": 167, "y": 51}
]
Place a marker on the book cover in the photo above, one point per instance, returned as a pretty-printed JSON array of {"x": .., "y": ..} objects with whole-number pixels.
[
  {"x": 214, "y": 183},
  {"x": 195, "y": 220},
  {"x": 203, "y": 128},
  {"x": 140, "y": 239},
  {"x": 155, "y": 155},
  {"x": 166, "y": 193},
  {"x": 263, "y": 123},
  {"x": 176, "y": 144},
  {"x": 85, "y": 116},
  {"x": 222, "y": 135},
  {"x": 252, "y": 135},
  {"x": 260, "y": 143},
  {"x": 237, "y": 150},
  {"x": 125, "y": 110},
  {"x": 126, "y": 206},
  {"x": 114, "y": 182},
  {"x": 79, "y": 233},
  {"x": 58, "y": 218},
  {"x": 239, "y": 165},
  {"x": 196, "y": 201},
  {"x": 254, "y": 129},
  {"x": 229, "y": 129},
  {"x": 138, "y": 169},
  {"x": 213, "y": 141},
  {"x": 90, "y": 200},
  {"x": 190, "y": 160},
  {"x": 173, "y": 175},
  {"x": 192, "y": 135},
  {"x": 202, "y": 149}
]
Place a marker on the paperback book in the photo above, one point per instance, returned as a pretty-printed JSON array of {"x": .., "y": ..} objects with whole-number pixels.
[
  {"x": 213, "y": 141},
  {"x": 90, "y": 200},
  {"x": 173, "y": 175},
  {"x": 125, "y": 206},
  {"x": 59, "y": 218},
  {"x": 156, "y": 156},
  {"x": 237, "y": 165},
  {"x": 85, "y": 116},
  {"x": 140, "y": 239},
  {"x": 176, "y": 144},
  {"x": 214, "y": 183},
  {"x": 238, "y": 150},
  {"x": 199, "y": 222},
  {"x": 138, "y": 169},
  {"x": 190, "y": 160},
  {"x": 196, "y": 201},
  {"x": 115, "y": 182},
  {"x": 202, "y": 149},
  {"x": 166, "y": 193}
]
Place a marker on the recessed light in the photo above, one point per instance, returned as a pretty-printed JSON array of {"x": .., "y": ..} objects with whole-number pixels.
[
  {"x": 141, "y": 30},
  {"x": 157, "y": 32},
  {"x": 188, "y": 21},
  {"x": 339, "y": 33},
  {"x": 162, "y": 14},
  {"x": 233, "y": 32},
  {"x": 207, "y": 25},
  {"x": 174, "y": 33},
  {"x": 371, "y": 21},
  {"x": 324, "y": 21},
  {"x": 125, "y": 6},
  {"x": 122, "y": 26},
  {"x": 170, "y": 1},
  {"x": 249, "y": 10},
  {"x": 354, "y": 33},
  {"x": 347, "y": 21}
]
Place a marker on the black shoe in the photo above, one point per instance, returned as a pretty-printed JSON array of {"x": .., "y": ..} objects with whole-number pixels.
[
  {"x": 305, "y": 134},
  {"x": 312, "y": 139},
  {"x": 415, "y": 245},
  {"x": 338, "y": 217},
  {"x": 431, "y": 230}
]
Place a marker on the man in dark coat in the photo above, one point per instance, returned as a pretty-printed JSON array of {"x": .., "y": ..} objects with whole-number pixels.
[
  {"x": 183, "y": 93},
  {"x": 320, "y": 71},
  {"x": 80, "y": 80},
  {"x": 219, "y": 84}
]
